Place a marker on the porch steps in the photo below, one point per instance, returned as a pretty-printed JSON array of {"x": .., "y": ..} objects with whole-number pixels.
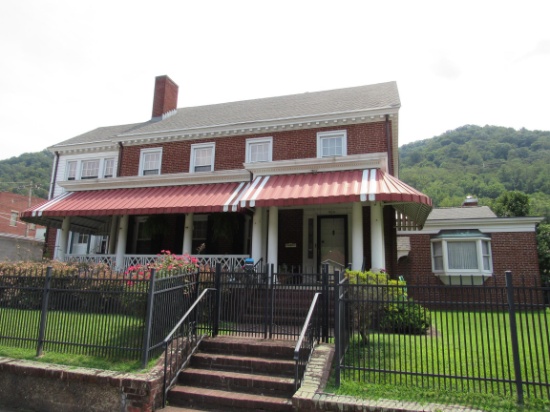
[{"x": 236, "y": 374}]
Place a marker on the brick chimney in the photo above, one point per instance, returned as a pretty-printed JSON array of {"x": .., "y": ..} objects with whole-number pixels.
[{"x": 166, "y": 96}]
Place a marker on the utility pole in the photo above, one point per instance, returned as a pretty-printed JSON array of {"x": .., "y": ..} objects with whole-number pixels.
[{"x": 29, "y": 205}]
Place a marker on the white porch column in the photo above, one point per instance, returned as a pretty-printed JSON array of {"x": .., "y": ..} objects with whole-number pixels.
[
  {"x": 257, "y": 238},
  {"x": 273, "y": 237},
  {"x": 112, "y": 235},
  {"x": 64, "y": 238},
  {"x": 357, "y": 253},
  {"x": 188, "y": 234},
  {"x": 121, "y": 241},
  {"x": 378, "y": 250}
]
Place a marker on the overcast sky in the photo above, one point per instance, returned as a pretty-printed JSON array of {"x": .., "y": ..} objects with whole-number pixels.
[{"x": 67, "y": 67}]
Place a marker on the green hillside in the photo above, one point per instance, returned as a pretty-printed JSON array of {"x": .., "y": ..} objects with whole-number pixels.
[
  {"x": 471, "y": 160},
  {"x": 29, "y": 169},
  {"x": 481, "y": 162}
]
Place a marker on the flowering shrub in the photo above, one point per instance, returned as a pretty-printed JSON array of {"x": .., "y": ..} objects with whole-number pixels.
[
  {"x": 167, "y": 264},
  {"x": 58, "y": 268}
]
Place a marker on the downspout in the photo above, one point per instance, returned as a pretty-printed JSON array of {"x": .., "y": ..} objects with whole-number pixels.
[
  {"x": 119, "y": 165},
  {"x": 54, "y": 177},
  {"x": 389, "y": 145}
]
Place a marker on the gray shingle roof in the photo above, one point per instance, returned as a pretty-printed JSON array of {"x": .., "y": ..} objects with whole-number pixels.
[
  {"x": 353, "y": 99},
  {"x": 470, "y": 212}
]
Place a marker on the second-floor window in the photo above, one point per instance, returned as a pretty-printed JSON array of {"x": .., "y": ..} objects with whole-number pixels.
[
  {"x": 90, "y": 169},
  {"x": 202, "y": 157},
  {"x": 71, "y": 170},
  {"x": 259, "y": 150},
  {"x": 108, "y": 168},
  {"x": 150, "y": 162},
  {"x": 333, "y": 143},
  {"x": 13, "y": 218}
]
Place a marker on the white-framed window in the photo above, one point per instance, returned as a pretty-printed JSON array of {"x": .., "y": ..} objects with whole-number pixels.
[
  {"x": 150, "y": 161},
  {"x": 461, "y": 253},
  {"x": 202, "y": 157},
  {"x": 76, "y": 169},
  {"x": 82, "y": 238},
  {"x": 71, "y": 169},
  {"x": 333, "y": 143},
  {"x": 108, "y": 168},
  {"x": 89, "y": 169},
  {"x": 13, "y": 218},
  {"x": 259, "y": 149}
]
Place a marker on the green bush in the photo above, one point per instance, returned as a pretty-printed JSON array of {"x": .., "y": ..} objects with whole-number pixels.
[{"x": 406, "y": 317}]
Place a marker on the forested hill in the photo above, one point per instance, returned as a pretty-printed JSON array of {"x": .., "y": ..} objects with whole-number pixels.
[
  {"x": 471, "y": 160},
  {"x": 19, "y": 173},
  {"x": 482, "y": 162}
]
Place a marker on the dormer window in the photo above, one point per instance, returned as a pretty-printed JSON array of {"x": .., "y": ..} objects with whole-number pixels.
[
  {"x": 259, "y": 150},
  {"x": 150, "y": 161},
  {"x": 202, "y": 157},
  {"x": 333, "y": 143}
]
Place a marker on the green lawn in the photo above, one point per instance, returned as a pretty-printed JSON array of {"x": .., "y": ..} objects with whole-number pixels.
[
  {"x": 93, "y": 338},
  {"x": 472, "y": 344}
]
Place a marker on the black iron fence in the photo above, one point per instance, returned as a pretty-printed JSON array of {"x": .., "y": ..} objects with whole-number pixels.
[
  {"x": 105, "y": 314},
  {"x": 263, "y": 304},
  {"x": 487, "y": 339}
]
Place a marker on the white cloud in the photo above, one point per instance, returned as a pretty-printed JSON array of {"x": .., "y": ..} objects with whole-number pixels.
[{"x": 69, "y": 67}]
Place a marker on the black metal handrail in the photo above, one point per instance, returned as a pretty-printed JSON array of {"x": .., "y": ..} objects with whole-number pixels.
[
  {"x": 311, "y": 330},
  {"x": 176, "y": 358}
]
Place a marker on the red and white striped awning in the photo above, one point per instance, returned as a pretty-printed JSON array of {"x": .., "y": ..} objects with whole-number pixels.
[{"x": 370, "y": 185}]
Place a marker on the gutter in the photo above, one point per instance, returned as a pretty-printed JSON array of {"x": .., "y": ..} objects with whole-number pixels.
[
  {"x": 388, "y": 142},
  {"x": 54, "y": 177}
]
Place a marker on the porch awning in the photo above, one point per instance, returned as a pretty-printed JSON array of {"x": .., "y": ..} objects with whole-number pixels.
[
  {"x": 92, "y": 208},
  {"x": 372, "y": 185}
]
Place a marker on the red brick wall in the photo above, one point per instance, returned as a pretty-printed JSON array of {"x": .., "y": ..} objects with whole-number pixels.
[
  {"x": 516, "y": 252},
  {"x": 11, "y": 202},
  {"x": 231, "y": 151}
]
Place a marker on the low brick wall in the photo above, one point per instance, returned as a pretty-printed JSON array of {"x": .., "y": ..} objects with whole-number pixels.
[{"x": 43, "y": 387}]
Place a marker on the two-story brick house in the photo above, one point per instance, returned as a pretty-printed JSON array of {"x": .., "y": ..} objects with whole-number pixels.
[{"x": 291, "y": 181}]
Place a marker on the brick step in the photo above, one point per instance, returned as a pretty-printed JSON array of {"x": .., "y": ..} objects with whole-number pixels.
[
  {"x": 270, "y": 349},
  {"x": 212, "y": 399},
  {"x": 249, "y": 364},
  {"x": 238, "y": 382}
]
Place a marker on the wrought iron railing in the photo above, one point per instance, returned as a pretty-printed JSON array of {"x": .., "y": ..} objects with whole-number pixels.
[
  {"x": 182, "y": 342},
  {"x": 309, "y": 336}
]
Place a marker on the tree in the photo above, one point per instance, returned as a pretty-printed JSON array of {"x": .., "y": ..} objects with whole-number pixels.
[
  {"x": 512, "y": 204},
  {"x": 543, "y": 246}
]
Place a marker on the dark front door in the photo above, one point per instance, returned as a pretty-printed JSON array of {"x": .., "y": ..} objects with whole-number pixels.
[{"x": 332, "y": 242}]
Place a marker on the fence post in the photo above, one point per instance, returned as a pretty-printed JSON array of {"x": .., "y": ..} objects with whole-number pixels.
[
  {"x": 44, "y": 312},
  {"x": 337, "y": 326},
  {"x": 325, "y": 302},
  {"x": 217, "y": 303},
  {"x": 148, "y": 320},
  {"x": 514, "y": 333}
]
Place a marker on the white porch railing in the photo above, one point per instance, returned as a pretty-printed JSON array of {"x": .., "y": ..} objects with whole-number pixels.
[{"x": 228, "y": 262}]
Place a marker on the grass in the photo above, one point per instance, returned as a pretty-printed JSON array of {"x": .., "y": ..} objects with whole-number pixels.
[
  {"x": 94, "y": 340},
  {"x": 472, "y": 344}
]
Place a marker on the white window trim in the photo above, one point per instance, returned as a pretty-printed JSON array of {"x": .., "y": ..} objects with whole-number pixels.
[
  {"x": 343, "y": 134},
  {"x": 78, "y": 167},
  {"x": 142, "y": 154},
  {"x": 256, "y": 140},
  {"x": 194, "y": 148},
  {"x": 480, "y": 271},
  {"x": 104, "y": 161},
  {"x": 81, "y": 166}
]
